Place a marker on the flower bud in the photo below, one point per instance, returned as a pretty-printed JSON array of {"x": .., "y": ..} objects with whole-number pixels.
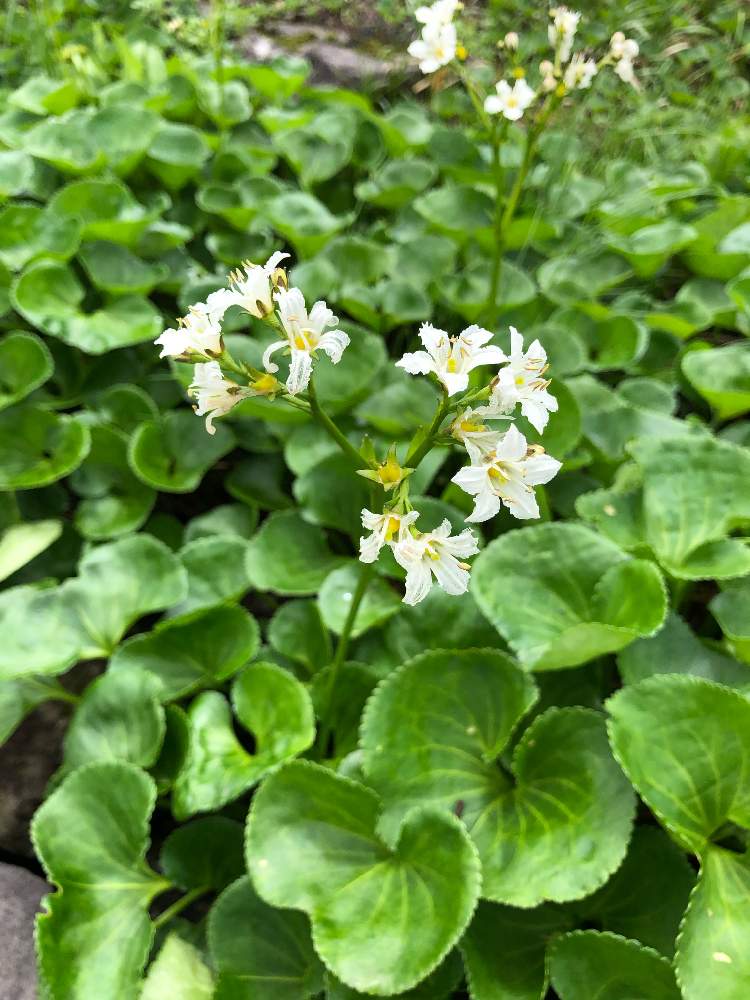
[
  {"x": 546, "y": 68},
  {"x": 511, "y": 41}
]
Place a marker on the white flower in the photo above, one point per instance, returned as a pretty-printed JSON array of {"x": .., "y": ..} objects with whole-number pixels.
[
  {"x": 624, "y": 69},
  {"x": 522, "y": 381},
  {"x": 197, "y": 333},
  {"x": 383, "y": 527},
  {"x": 621, "y": 47},
  {"x": 305, "y": 334},
  {"x": 434, "y": 553},
  {"x": 562, "y": 30},
  {"x": 436, "y": 47},
  {"x": 470, "y": 429},
  {"x": 507, "y": 476},
  {"x": 511, "y": 41},
  {"x": 215, "y": 394},
  {"x": 252, "y": 287},
  {"x": 451, "y": 358},
  {"x": 624, "y": 50},
  {"x": 579, "y": 72},
  {"x": 440, "y": 13},
  {"x": 511, "y": 102}
]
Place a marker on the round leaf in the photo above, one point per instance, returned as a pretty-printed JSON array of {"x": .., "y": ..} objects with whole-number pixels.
[{"x": 38, "y": 447}]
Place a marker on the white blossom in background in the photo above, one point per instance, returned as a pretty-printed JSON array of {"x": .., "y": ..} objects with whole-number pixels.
[
  {"x": 579, "y": 72},
  {"x": 624, "y": 50},
  {"x": 215, "y": 395},
  {"x": 197, "y": 333},
  {"x": 547, "y": 73},
  {"x": 507, "y": 476},
  {"x": 441, "y": 12},
  {"x": 511, "y": 41},
  {"x": 522, "y": 381},
  {"x": 562, "y": 30},
  {"x": 305, "y": 334},
  {"x": 434, "y": 553},
  {"x": 383, "y": 528},
  {"x": 510, "y": 102},
  {"x": 435, "y": 48},
  {"x": 451, "y": 358},
  {"x": 252, "y": 287}
]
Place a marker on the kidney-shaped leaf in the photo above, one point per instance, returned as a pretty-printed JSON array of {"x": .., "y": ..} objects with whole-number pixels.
[
  {"x": 173, "y": 452},
  {"x": 684, "y": 742},
  {"x": 584, "y": 964},
  {"x": 312, "y": 845},
  {"x": 38, "y": 447},
  {"x": 91, "y": 835},
  {"x": 582, "y": 596},
  {"x": 25, "y": 363},
  {"x": 694, "y": 493},
  {"x": 722, "y": 377},
  {"x": 260, "y": 952},
  {"x": 289, "y": 556},
  {"x": 273, "y": 706},
  {"x": 551, "y": 824}
]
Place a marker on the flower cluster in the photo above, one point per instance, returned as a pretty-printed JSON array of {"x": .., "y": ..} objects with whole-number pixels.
[
  {"x": 503, "y": 468},
  {"x": 565, "y": 72},
  {"x": 262, "y": 292},
  {"x": 438, "y": 44}
]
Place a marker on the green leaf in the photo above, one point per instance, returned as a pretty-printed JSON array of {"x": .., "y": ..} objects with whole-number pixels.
[
  {"x": 297, "y": 631},
  {"x": 49, "y": 296},
  {"x": 117, "y": 584},
  {"x": 731, "y": 609},
  {"x": 568, "y": 280},
  {"x": 693, "y": 496},
  {"x": 18, "y": 699},
  {"x": 240, "y": 202},
  {"x": 226, "y": 519},
  {"x": 20, "y": 543},
  {"x": 648, "y": 249},
  {"x": 289, "y": 556},
  {"x": 711, "y": 957},
  {"x": 106, "y": 209},
  {"x": 273, "y": 706},
  {"x": 583, "y": 597},
  {"x": 217, "y": 572},
  {"x": 25, "y": 363},
  {"x": 343, "y": 709},
  {"x": 311, "y": 845},
  {"x": 176, "y": 154},
  {"x": 39, "y": 636},
  {"x": 676, "y": 650},
  {"x": 584, "y": 964},
  {"x": 125, "y": 406},
  {"x": 304, "y": 221},
  {"x": 28, "y": 232},
  {"x": 456, "y": 209},
  {"x": 116, "y": 270},
  {"x": 91, "y": 835},
  {"x": 552, "y": 822},
  {"x": 206, "y": 853},
  {"x": 722, "y": 377},
  {"x": 707, "y": 255},
  {"x": 397, "y": 182},
  {"x": 504, "y": 951},
  {"x": 259, "y": 480},
  {"x": 118, "y": 718},
  {"x": 178, "y": 972},
  {"x": 337, "y": 592},
  {"x": 66, "y": 143},
  {"x": 174, "y": 452},
  {"x": 244, "y": 935},
  {"x": 646, "y": 897},
  {"x": 113, "y": 501},
  {"x": 123, "y": 134},
  {"x": 190, "y": 652},
  {"x": 42, "y": 95},
  {"x": 684, "y": 742},
  {"x": 38, "y": 447},
  {"x": 439, "y": 985}
]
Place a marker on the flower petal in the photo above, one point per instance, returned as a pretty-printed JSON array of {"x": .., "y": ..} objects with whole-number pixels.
[
  {"x": 300, "y": 370},
  {"x": 417, "y": 363},
  {"x": 271, "y": 366}
]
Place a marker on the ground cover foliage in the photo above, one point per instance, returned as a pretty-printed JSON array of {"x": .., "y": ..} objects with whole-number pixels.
[{"x": 538, "y": 788}]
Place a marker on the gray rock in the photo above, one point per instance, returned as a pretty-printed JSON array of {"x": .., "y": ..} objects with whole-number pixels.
[{"x": 20, "y": 893}]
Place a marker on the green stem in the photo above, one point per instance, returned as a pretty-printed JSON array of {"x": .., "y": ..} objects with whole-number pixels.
[
  {"x": 365, "y": 575},
  {"x": 58, "y": 693},
  {"x": 498, "y": 137},
  {"x": 218, "y": 43},
  {"x": 475, "y": 97},
  {"x": 179, "y": 906},
  {"x": 415, "y": 457},
  {"x": 332, "y": 430}
]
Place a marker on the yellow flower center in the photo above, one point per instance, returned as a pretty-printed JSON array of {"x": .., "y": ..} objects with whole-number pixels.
[
  {"x": 391, "y": 527},
  {"x": 519, "y": 379},
  {"x": 519, "y": 73},
  {"x": 469, "y": 428},
  {"x": 429, "y": 551},
  {"x": 452, "y": 365},
  {"x": 498, "y": 475},
  {"x": 390, "y": 472},
  {"x": 265, "y": 384}
]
